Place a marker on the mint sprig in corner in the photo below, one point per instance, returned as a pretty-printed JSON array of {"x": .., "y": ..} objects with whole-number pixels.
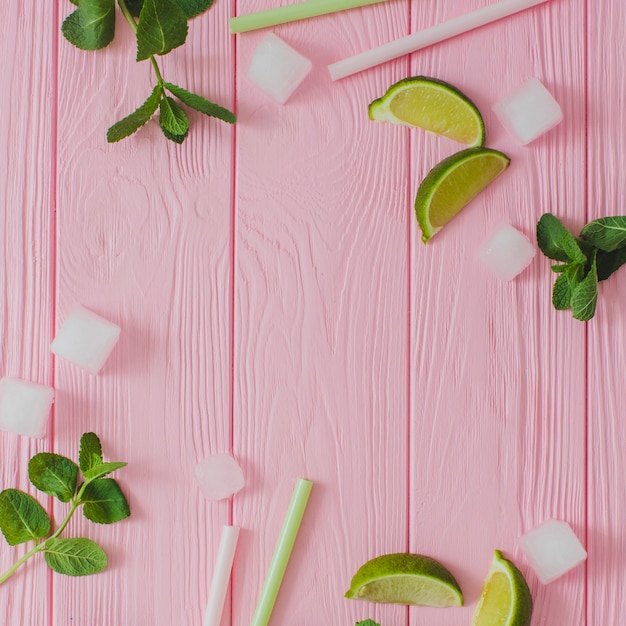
[
  {"x": 159, "y": 27},
  {"x": 23, "y": 519},
  {"x": 583, "y": 261}
]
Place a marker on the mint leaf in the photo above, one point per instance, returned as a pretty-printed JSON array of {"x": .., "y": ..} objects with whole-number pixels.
[
  {"x": 90, "y": 453},
  {"x": 191, "y": 8},
  {"x": 556, "y": 242},
  {"x": 367, "y": 622},
  {"x": 585, "y": 294},
  {"x": 22, "y": 518},
  {"x": 134, "y": 6},
  {"x": 162, "y": 27},
  {"x": 53, "y": 474},
  {"x": 609, "y": 262},
  {"x": 173, "y": 120},
  {"x": 201, "y": 104},
  {"x": 606, "y": 233},
  {"x": 92, "y": 25},
  {"x": 75, "y": 557},
  {"x": 98, "y": 471},
  {"x": 104, "y": 502},
  {"x": 133, "y": 122},
  {"x": 561, "y": 293}
]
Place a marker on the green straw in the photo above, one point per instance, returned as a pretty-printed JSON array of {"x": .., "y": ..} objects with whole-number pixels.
[
  {"x": 293, "y": 12},
  {"x": 286, "y": 539}
]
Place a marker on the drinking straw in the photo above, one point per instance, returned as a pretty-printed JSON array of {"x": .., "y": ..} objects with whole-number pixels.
[
  {"x": 278, "y": 565},
  {"x": 429, "y": 36},
  {"x": 221, "y": 576},
  {"x": 293, "y": 12}
]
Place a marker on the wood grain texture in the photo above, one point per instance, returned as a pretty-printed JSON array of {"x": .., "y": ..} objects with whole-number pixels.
[
  {"x": 27, "y": 196},
  {"x": 320, "y": 323},
  {"x": 497, "y": 418},
  {"x": 606, "y": 128},
  {"x": 144, "y": 236}
]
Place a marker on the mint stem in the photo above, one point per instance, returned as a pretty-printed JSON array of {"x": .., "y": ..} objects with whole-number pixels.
[{"x": 131, "y": 21}]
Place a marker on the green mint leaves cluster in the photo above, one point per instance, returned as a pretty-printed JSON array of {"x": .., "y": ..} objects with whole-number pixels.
[
  {"x": 367, "y": 622},
  {"x": 159, "y": 26},
  {"x": 584, "y": 261},
  {"x": 23, "y": 519}
]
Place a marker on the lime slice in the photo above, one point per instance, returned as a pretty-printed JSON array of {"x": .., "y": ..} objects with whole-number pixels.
[
  {"x": 433, "y": 105},
  {"x": 451, "y": 184},
  {"x": 505, "y": 599},
  {"x": 405, "y": 579}
]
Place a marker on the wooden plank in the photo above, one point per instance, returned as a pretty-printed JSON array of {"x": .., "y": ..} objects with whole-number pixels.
[
  {"x": 606, "y": 125},
  {"x": 320, "y": 323},
  {"x": 27, "y": 192},
  {"x": 144, "y": 240},
  {"x": 497, "y": 376}
]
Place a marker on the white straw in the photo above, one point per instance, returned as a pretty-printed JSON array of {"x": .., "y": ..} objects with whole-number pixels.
[
  {"x": 221, "y": 576},
  {"x": 429, "y": 36}
]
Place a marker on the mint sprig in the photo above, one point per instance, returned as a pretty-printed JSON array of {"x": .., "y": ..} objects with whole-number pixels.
[
  {"x": 23, "y": 519},
  {"x": 367, "y": 622},
  {"x": 160, "y": 26},
  {"x": 584, "y": 261}
]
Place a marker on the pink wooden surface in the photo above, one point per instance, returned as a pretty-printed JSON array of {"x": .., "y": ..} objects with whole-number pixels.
[{"x": 276, "y": 303}]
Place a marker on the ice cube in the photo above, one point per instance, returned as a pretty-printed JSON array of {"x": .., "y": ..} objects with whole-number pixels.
[
  {"x": 219, "y": 476},
  {"x": 277, "y": 69},
  {"x": 86, "y": 339},
  {"x": 529, "y": 111},
  {"x": 507, "y": 252},
  {"x": 552, "y": 549},
  {"x": 24, "y": 407}
]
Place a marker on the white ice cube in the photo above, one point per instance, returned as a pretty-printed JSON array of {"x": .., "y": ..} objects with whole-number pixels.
[
  {"x": 507, "y": 252},
  {"x": 277, "y": 69},
  {"x": 86, "y": 339},
  {"x": 24, "y": 407},
  {"x": 219, "y": 476},
  {"x": 552, "y": 549},
  {"x": 529, "y": 111}
]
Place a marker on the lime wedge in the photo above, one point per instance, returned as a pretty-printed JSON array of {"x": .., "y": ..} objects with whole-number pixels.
[
  {"x": 433, "y": 105},
  {"x": 505, "y": 599},
  {"x": 405, "y": 579},
  {"x": 451, "y": 184}
]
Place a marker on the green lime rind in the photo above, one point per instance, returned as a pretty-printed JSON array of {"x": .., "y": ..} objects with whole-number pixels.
[
  {"x": 453, "y": 183},
  {"x": 428, "y": 113},
  {"x": 521, "y": 608},
  {"x": 404, "y": 578}
]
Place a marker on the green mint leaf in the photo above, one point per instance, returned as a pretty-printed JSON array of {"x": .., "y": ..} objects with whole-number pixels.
[
  {"x": 367, "y": 622},
  {"x": 90, "y": 453},
  {"x": 98, "y": 471},
  {"x": 134, "y": 6},
  {"x": 609, "y": 262},
  {"x": 133, "y": 122},
  {"x": 201, "y": 104},
  {"x": 585, "y": 294},
  {"x": 607, "y": 233},
  {"x": 556, "y": 242},
  {"x": 104, "y": 502},
  {"x": 191, "y": 8},
  {"x": 173, "y": 120},
  {"x": 22, "y": 518},
  {"x": 558, "y": 269},
  {"x": 53, "y": 474},
  {"x": 561, "y": 293},
  {"x": 75, "y": 557},
  {"x": 92, "y": 25},
  {"x": 162, "y": 27}
]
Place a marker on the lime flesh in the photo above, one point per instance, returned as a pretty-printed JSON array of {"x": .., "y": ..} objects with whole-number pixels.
[
  {"x": 404, "y": 578},
  {"x": 453, "y": 183},
  {"x": 433, "y": 105}
]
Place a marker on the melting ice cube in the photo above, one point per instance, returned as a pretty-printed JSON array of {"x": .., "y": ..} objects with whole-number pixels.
[
  {"x": 507, "y": 252},
  {"x": 277, "y": 69},
  {"x": 552, "y": 549},
  {"x": 24, "y": 407},
  {"x": 219, "y": 476},
  {"x": 529, "y": 111},
  {"x": 86, "y": 339}
]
